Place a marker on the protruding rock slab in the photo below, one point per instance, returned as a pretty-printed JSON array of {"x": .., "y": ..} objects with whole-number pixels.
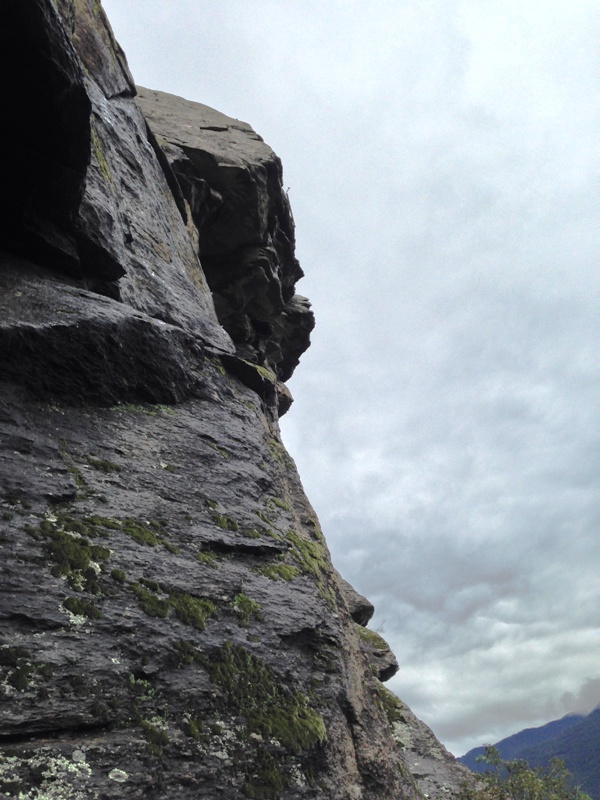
[
  {"x": 361, "y": 609},
  {"x": 232, "y": 182},
  {"x": 63, "y": 341},
  {"x": 383, "y": 662}
]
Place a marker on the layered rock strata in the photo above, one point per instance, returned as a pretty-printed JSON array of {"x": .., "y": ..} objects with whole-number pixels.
[{"x": 170, "y": 621}]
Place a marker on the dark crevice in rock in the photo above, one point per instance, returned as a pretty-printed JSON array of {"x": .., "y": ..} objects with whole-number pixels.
[
  {"x": 99, "y": 263},
  {"x": 388, "y": 672},
  {"x": 105, "y": 288},
  {"x": 62, "y": 341},
  {"x": 25, "y": 622},
  {"x": 57, "y": 499},
  {"x": 310, "y": 641},
  {"x": 169, "y": 174},
  {"x": 124, "y": 362},
  {"x": 381, "y": 659},
  {"x": 44, "y": 134},
  {"x": 250, "y": 547},
  {"x": 70, "y": 730},
  {"x": 350, "y": 714},
  {"x": 260, "y": 379},
  {"x": 125, "y": 93}
]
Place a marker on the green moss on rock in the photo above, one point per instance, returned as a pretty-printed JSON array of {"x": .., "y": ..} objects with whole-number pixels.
[
  {"x": 246, "y": 609},
  {"x": 276, "y": 501},
  {"x": 262, "y": 516},
  {"x": 193, "y": 611},
  {"x": 151, "y": 409},
  {"x": 389, "y": 704},
  {"x": 10, "y": 656},
  {"x": 278, "y": 571},
  {"x": 150, "y": 604},
  {"x": 150, "y": 584},
  {"x": 311, "y": 558},
  {"x": 372, "y": 638},
  {"x": 207, "y": 558},
  {"x": 309, "y": 555},
  {"x": 186, "y": 653},
  {"x": 65, "y": 538},
  {"x": 156, "y": 737},
  {"x": 82, "y": 608},
  {"x": 224, "y": 522},
  {"x": 194, "y": 728},
  {"x": 143, "y": 534},
  {"x": 103, "y": 465},
  {"x": 217, "y": 364},
  {"x": 66, "y": 544},
  {"x": 40, "y": 774},
  {"x": 18, "y": 669},
  {"x": 220, "y": 450},
  {"x": 99, "y": 156},
  {"x": 265, "y": 777},
  {"x": 270, "y": 708}
]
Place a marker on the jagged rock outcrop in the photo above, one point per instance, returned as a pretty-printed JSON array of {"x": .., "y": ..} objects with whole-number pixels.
[
  {"x": 232, "y": 183},
  {"x": 170, "y": 621}
]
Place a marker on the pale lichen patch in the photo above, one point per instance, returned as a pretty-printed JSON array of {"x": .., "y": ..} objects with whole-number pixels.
[
  {"x": 74, "y": 619},
  {"x": 56, "y": 776}
]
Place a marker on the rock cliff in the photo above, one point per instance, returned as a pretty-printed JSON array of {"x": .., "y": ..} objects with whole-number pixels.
[{"x": 170, "y": 621}]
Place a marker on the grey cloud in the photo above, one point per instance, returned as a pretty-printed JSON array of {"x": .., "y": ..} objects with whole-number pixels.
[{"x": 586, "y": 700}]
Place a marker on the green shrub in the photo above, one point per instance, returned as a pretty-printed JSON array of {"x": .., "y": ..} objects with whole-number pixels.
[{"x": 516, "y": 780}]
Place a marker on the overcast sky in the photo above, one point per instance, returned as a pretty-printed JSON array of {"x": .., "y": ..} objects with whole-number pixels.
[{"x": 441, "y": 157}]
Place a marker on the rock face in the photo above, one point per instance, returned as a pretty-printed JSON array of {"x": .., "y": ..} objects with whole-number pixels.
[{"x": 170, "y": 621}]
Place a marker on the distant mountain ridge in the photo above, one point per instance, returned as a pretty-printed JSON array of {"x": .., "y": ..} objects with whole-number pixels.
[
  {"x": 575, "y": 739},
  {"x": 511, "y": 746}
]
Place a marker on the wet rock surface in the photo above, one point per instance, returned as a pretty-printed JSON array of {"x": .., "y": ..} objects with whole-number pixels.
[{"x": 170, "y": 621}]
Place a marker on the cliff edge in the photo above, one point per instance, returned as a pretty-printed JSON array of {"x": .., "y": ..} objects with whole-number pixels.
[{"x": 170, "y": 621}]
